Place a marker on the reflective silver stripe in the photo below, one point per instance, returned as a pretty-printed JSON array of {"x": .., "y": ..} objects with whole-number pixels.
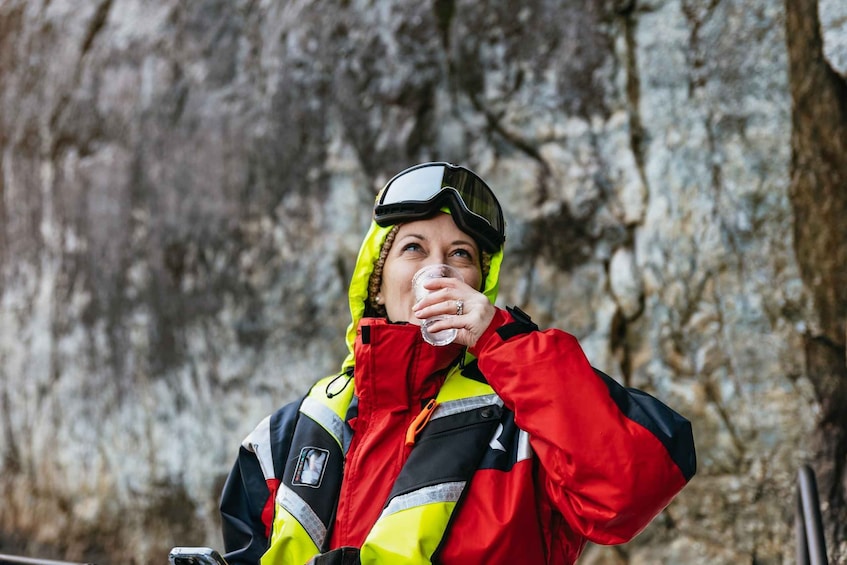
[
  {"x": 323, "y": 415},
  {"x": 450, "y": 407},
  {"x": 445, "y": 492},
  {"x": 524, "y": 448},
  {"x": 298, "y": 508},
  {"x": 259, "y": 442}
]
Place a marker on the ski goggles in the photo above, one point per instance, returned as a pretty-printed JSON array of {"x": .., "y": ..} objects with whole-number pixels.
[{"x": 422, "y": 190}]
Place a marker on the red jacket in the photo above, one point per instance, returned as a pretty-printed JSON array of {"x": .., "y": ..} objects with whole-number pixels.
[{"x": 576, "y": 457}]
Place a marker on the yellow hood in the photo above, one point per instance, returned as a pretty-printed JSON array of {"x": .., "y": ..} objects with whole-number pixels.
[{"x": 358, "y": 293}]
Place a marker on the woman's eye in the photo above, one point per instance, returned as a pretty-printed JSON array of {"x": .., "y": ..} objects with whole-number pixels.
[
  {"x": 463, "y": 253},
  {"x": 412, "y": 247}
]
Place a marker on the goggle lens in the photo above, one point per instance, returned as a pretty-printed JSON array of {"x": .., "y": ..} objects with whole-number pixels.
[{"x": 418, "y": 185}]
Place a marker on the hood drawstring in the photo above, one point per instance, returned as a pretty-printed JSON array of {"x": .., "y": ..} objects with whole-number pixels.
[{"x": 348, "y": 373}]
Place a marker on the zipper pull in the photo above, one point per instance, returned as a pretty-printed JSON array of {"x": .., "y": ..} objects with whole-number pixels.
[{"x": 419, "y": 422}]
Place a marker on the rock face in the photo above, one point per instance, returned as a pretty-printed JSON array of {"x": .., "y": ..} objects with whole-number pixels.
[{"x": 184, "y": 185}]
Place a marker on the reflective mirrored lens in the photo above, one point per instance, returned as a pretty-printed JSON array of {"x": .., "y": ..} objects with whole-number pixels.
[{"x": 416, "y": 185}]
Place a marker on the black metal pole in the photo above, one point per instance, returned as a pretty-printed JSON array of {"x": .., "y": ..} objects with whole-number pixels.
[
  {"x": 811, "y": 544},
  {"x": 800, "y": 529}
]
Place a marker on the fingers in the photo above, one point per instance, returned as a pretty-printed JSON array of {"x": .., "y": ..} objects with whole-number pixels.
[
  {"x": 467, "y": 310},
  {"x": 446, "y": 301}
]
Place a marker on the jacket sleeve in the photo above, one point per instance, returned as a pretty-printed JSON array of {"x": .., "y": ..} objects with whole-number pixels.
[
  {"x": 611, "y": 457},
  {"x": 242, "y": 501},
  {"x": 247, "y": 501}
]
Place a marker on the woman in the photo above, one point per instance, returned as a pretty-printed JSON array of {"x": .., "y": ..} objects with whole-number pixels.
[{"x": 504, "y": 446}]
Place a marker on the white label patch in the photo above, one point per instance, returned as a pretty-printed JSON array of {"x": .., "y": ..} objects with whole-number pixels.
[{"x": 310, "y": 467}]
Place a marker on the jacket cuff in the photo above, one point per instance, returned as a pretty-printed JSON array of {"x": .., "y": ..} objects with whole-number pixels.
[{"x": 505, "y": 325}]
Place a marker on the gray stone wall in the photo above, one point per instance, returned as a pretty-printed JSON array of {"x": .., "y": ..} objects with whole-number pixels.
[{"x": 184, "y": 185}]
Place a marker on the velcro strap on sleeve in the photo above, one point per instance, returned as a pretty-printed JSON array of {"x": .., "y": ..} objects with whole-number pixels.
[{"x": 522, "y": 324}]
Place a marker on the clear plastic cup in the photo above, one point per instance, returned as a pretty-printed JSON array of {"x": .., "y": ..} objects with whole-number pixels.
[{"x": 434, "y": 272}]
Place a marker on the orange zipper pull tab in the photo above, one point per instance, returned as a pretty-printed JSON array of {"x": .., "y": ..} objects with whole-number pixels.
[{"x": 419, "y": 422}]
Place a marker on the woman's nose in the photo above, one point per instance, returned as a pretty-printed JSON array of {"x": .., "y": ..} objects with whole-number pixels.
[{"x": 436, "y": 258}]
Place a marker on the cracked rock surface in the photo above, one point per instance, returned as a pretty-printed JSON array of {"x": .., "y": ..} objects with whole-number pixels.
[{"x": 184, "y": 185}]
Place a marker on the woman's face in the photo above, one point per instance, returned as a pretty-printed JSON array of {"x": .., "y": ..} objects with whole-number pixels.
[{"x": 417, "y": 244}]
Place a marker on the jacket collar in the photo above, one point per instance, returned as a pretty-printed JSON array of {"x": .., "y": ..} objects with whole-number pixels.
[{"x": 395, "y": 367}]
